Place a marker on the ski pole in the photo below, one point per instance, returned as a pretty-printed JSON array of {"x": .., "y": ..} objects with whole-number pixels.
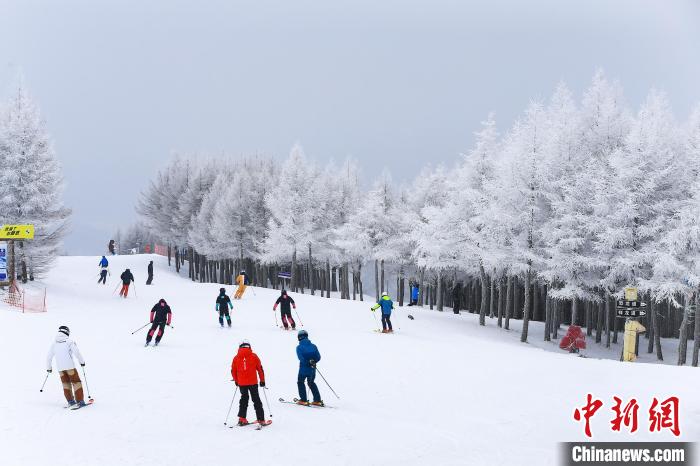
[
  {"x": 297, "y": 313},
  {"x": 274, "y": 311},
  {"x": 329, "y": 385},
  {"x": 86, "y": 382},
  {"x": 266, "y": 401},
  {"x": 47, "y": 378},
  {"x": 115, "y": 288},
  {"x": 231, "y": 405},
  {"x": 375, "y": 320},
  {"x": 170, "y": 326},
  {"x": 140, "y": 328},
  {"x": 134, "y": 289}
]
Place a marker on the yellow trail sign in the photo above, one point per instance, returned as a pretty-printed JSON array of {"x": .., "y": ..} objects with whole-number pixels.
[{"x": 17, "y": 232}]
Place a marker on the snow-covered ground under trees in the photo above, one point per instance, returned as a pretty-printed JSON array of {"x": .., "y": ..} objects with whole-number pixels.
[{"x": 441, "y": 391}]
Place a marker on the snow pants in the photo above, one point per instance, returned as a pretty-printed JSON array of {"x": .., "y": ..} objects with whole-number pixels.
[
  {"x": 386, "y": 321},
  {"x": 224, "y": 313},
  {"x": 150, "y": 279},
  {"x": 125, "y": 290},
  {"x": 287, "y": 319},
  {"x": 71, "y": 385},
  {"x": 161, "y": 329},
  {"x": 309, "y": 378},
  {"x": 239, "y": 292},
  {"x": 103, "y": 277},
  {"x": 250, "y": 391}
]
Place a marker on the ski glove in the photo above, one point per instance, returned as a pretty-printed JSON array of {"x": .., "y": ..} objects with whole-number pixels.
[
  {"x": 312, "y": 363},
  {"x": 49, "y": 370},
  {"x": 82, "y": 365},
  {"x": 262, "y": 383}
]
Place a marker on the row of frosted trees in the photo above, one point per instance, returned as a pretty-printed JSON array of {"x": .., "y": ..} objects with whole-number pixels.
[
  {"x": 547, "y": 221},
  {"x": 31, "y": 186}
]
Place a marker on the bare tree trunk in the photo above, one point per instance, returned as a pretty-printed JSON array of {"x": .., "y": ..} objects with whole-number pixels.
[
  {"x": 556, "y": 319},
  {"x": 657, "y": 333},
  {"x": 381, "y": 270},
  {"x": 600, "y": 317},
  {"x": 547, "y": 315},
  {"x": 509, "y": 301},
  {"x": 574, "y": 310},
  {"x": 696, "y": 335},
  {"x": 328, "y": 278},
  {"x": 683, "y": 338},
  {"x": 492, "y": 303},
  {"x": 526, "y": 305},
  {"x": 421, "y": 288},
  {"x": 484, "y": 295},
  {"x": 439, "y": 291},
  {"x": 608, "y": 316},
  {"x": 359, "y": 279},
  {"x": 501, "y": 301},
  {"x": 376, "y": 279},
  {"x": 312, "y": 285}
]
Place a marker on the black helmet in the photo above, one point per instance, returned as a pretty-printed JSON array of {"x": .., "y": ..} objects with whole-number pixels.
[
  {"x": 244, "y": 344},
  {"x": 284, "y": 292},
  {"x": 222, "y": 290},
  {"x": 302, "y": 335},
  {"x": 64, "y": 330}
]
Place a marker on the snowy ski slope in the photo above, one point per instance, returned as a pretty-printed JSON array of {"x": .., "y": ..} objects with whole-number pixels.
[{"x": 441, "y": 391}]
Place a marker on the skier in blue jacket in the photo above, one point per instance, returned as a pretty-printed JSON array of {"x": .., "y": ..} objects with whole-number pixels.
[
  {"x": 308, "y": 357},
  {"x": 414, "y": 294},
  {"x": 387, "y": 305}
]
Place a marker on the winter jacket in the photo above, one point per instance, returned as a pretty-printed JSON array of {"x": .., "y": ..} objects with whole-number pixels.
[
  {"x": 222, "y": 301},
  {"x": 246, "y": 368},
  {"x": 414, "y": 293},
  {"x": 63, "y": 349},
  {"x": 306, "y": 351},
  {"x": 161, "y": 313},
  {"x": 385, "y": 303},
  {"x": 574, "y": 339},
  {"x": 150, "y": 269},
  {"x": 104, "y": 263},
  {"x": 127, "y": 277},
  {"x": 285, "y": 300},
  {"x": 242, "y": 280}
]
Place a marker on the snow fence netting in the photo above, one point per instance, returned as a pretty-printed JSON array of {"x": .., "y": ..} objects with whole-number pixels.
[{"x": 33, "y": 300}]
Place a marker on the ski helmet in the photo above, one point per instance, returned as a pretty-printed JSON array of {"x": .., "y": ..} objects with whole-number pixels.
[
  {"x": 284, "y": 292},
  {"x": 303, "y": 334},
  {"x": 385, "y": 294},
  {"x": 244, "y": 344},
  {"x": 64, "y": 330},
  {"x": 222, "y": 290}
]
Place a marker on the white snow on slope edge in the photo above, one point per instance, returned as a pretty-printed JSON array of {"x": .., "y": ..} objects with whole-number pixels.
[{"x": 441, "y": 391}]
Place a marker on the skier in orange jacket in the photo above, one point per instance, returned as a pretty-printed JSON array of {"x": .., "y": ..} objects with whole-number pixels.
[{"x": 242, "y": 282}]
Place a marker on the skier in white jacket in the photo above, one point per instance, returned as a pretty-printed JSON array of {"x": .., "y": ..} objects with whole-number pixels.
[{"x": 64, "y": 349}]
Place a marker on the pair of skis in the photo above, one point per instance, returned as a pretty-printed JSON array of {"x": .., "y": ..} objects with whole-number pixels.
[
  {"x": 76, "y": 406},
  {"x": 296, "y": 402},
  {"x": 258, "y": 424}
]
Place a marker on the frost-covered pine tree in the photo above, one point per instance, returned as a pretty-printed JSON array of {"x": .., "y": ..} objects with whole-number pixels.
[{"x": 31, "y": 184}]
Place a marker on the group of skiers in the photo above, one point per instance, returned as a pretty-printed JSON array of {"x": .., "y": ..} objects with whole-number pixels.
[{"x": 246, "y": 368}]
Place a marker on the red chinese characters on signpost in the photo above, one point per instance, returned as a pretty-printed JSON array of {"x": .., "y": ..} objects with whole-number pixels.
[
  {"x": 662, "y": 415},
  {"x": 665, "y": 416}
]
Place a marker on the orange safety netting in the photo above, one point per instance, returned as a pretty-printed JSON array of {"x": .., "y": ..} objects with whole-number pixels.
[{"x": 27, "y": 302}]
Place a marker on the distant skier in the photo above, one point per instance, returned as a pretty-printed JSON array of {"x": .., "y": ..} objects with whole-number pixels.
[
  {"x": 127, "y": 278},
  {"x": 223, "y": 305},
  {"x": 414, "y": 294},
  {"x": 64, "y": 349},
  {"x": 387, "y": 305},
  {"x": 104, "y": 270},
  {"x": 242, "y": 282},
  {"x": 285, "y": 300},
  {"x": 308, "y": 357},
  {"x": 111, "y": 247},
  {"x": 160, "y": 317},
  {"x": 245, "y": 369},
  {"x": 150, "y": 273}
]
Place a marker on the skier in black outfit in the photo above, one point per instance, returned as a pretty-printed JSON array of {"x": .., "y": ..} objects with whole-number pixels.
[
  {"x": 223, "y": 304},
  {"x": 150, "y": 273},
  {"x": 160, "y": 317},
  {"x": 285, "y": 300}
]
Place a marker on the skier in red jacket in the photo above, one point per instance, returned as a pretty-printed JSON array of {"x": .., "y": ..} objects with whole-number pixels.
[{"x": 245, "y": 369}]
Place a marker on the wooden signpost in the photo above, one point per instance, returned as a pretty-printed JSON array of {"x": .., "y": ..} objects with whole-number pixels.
[{"x": 8, "y": 235}]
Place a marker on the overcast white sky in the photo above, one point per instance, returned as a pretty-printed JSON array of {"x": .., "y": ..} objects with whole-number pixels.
[{"x": 396, "y": 84}]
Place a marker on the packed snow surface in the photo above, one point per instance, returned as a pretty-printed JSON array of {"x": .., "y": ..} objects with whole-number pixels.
[{"x": 440, "y": 391}]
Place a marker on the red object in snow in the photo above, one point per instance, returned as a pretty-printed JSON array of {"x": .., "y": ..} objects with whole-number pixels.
[{"x": 574, "y": 339}]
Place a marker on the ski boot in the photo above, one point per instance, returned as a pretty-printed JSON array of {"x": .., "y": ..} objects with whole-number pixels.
[
  {"x": 318, "y": 403},
  {"x": 303, "y": 402},
  {"x": 78, "y": 405},
  {"x": 147, "y": 343},
  {"x": 71, "y": 403},
  {"x": 242, "y": 421},
  {"x": 156, "y": 343},
  {"x": 385, "y": 330}
]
